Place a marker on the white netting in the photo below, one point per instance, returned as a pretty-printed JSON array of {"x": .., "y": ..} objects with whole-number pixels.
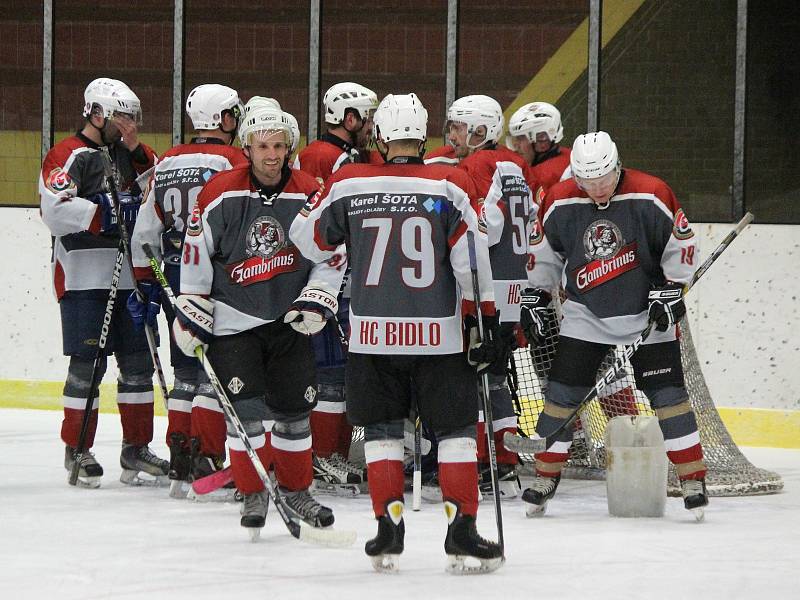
[{"x": 729, "y": 472}]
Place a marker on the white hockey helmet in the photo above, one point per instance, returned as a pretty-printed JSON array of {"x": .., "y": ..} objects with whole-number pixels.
[
  {"x": 342, "y": 96},
  {"x": 475, "y": 111},
  {"x": 400, "y": 117},
  {"x": 261, "y": 102},
  {"x": 594, "y": 155},
  {"x": 295, "y": 132},
  {"x": 112, "y": 95},
  {"x": 254, "y": 103},
  {"x": 206, "y": 102},
  {"x": 537, "y": 117},
  {"x": 265, "y": 119}
]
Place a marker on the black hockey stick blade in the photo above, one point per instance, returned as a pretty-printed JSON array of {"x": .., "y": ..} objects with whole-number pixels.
[{"x": 523, "y": 445}]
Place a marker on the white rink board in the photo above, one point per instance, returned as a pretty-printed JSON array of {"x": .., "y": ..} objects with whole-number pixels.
[
  {"x": 120, "y": 542},
  {"x": 746, "y": 325}
]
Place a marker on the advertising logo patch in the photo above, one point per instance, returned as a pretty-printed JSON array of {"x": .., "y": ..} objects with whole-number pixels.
[
  {"x": 265, "y": 237},
  {"x": 59, "y": 181},
  {"x": 602, "y": 239},
  {"x": 681, "y": 228}
]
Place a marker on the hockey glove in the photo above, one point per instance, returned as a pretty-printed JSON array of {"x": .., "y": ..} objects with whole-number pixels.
[
  {"x": 106, "y": 215},
  {"x": 666, "y": 305},
  {"x": 194, "y": 323},
  {"x": 488, "y": 353},
  {"x": 535, "y": 315},
  {"x": 312, "y": 309},
  {"x": 129, "y": 209},
  {"x": 146, "y": 309}
]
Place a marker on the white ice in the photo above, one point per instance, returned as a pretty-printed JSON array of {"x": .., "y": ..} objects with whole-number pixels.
[{"x": 120, "y": 542}]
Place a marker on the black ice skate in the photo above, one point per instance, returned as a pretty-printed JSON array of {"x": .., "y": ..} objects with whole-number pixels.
[
  {"x": 507, "y": 481},
  {"x": 384, "y": 549},
  {"x": 463, "y": 543},
  {"x": 90, "y": 472},
  {"x": 179, "y": 465},
  {"x": 303, "y": 506},
  {"x": 695, "y": 497},
  {"x": 254, "y": 513},
  {"x": 332, "y": 477},
  {"x": 537, "y": 496},
  {"x": 141, "y": 467}
]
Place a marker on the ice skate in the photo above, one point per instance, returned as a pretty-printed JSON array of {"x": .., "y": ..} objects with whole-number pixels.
[
  {"x": 537, "y": 496},
  {"x": 254, "y": 513},
  {"x": 331, "y": 477},
  {"x": 467, "y": 552},
  {"x": 385, "y": 548},
  {"x": 353, "y": 468},
  {"x": 90, "y": 472},
  {"x": 695, "y": 497},
  {"x": 303, "y": 506},
  {"x": 141, "y": 467},
  {"x": 179, "y": 465},
  {"x": 430, "y": 490},
  {"x": 507, "y": 481}
]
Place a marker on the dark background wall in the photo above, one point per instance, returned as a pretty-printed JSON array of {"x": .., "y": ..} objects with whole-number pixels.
[{"x": 667, "y": 92}]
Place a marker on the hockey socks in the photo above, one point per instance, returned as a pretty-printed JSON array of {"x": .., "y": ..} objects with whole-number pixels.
[
  {"x": 385, "y": 472},
  {"x": 458, "y": 473}
]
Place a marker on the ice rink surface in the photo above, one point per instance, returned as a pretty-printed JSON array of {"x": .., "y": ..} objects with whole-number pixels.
[{"x": 121, "y": 542}]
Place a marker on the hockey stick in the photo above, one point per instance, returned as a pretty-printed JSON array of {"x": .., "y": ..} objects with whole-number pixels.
[
  {"x": 125, "y": 240},
  {"x": 487, "y": 402},
  {"x": 99, "y": 357},
  {"x": 533, "y": 445},
  {"x": 210, "y": 483},
  {"x": 416, "y": 486},
  {"x": 306, "y": 533}
]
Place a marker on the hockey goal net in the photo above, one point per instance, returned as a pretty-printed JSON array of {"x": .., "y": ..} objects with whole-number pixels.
[{"x": 729, "y": 472}]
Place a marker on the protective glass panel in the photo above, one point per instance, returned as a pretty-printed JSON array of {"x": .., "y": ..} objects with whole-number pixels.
[{"x": 667, "y": 97}]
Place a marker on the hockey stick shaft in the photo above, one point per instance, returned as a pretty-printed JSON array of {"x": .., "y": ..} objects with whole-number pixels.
[
  {"x": 487, "y": 401},
  {"x": 416, "y": 486},
  {"x": 328, "y": 537},
  {"x": 94, "y": 383},
  {"x": 610, "y": 375},
  {"x": 125, "y": 239}
]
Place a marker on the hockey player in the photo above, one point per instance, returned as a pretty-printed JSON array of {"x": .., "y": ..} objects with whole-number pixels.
[
  {"x": 535, "y": 131},
  {"x": 499, "y": 176},
  {"x": 80, "y": 216},
  {"x": 196, "y": 430},
  {"x": 445, "y": 155},
  {"x": 249, "y": 293},
  {"x": 348, "y": 112},
  {"x": 405, "y": 227},
  {"x": 621, "y": 242}
]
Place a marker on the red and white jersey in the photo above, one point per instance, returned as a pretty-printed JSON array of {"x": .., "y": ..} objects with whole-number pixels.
[
  {"x": 237, "y": 249},
  {"x": 404, "y": 225},
  {"x": 325, "y": 156},
  {"x": 174, "y": 186},
  {"x": 608, "y": 259},
  {"x": 443, "y": 155},
  {"x": 509, "y": 213},
  {"x": 552, "y": 169},
  {"x": 71, "y": 179}
]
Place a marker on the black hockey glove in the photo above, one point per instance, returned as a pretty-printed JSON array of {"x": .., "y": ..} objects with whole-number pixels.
[
  {"x": 535, "y": 315},
  {"x": 666, "y": 305},
  {"x": 488, "y": 353}
]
